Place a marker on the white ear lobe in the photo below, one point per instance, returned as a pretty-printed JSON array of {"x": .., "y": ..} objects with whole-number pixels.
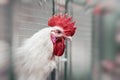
[{"x": 52, "y": 32}]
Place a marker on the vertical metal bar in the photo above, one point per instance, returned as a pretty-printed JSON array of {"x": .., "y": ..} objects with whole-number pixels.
[
  {"x": 66, "y": 6},
  {"x": 65, "y": 64},
  {"x": 70, "y": 62},
  {"x": 53, "y": 73},
  {"x": 101, "y": 42},
  {"x": 66, "y": 53},
  {"x": 53, "y": 8},
  {"x": 9, "y": 36},
  {"x": 70, "y": 54},
  {"x": 93, "y": 47},
  {"x": 100, "y": 45},
  {"x": 97, "y": 42}
]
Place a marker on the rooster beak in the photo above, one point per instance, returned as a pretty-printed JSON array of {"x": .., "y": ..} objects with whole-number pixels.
[{"x": 68, "y": 37}]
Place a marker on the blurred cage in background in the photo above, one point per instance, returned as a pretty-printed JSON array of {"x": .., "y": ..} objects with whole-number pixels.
[
  {"x": 105, "y": 41},
  {"x": 92, "y": 43}
]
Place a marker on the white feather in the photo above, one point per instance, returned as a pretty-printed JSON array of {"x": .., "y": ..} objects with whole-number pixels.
[{"x": 32, "y": 60}]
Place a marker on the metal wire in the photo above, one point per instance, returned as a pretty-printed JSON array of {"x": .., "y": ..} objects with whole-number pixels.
[{"x": 9, "y": 15}]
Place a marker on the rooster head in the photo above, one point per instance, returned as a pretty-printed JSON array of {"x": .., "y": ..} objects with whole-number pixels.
[{"x": 63, "y": 28}]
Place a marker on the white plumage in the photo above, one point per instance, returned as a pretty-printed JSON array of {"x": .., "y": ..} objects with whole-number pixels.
[{"x": 33, "y": 59}]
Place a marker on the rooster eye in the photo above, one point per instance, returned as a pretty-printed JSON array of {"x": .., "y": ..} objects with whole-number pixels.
[{"x": 59, "y": 32}]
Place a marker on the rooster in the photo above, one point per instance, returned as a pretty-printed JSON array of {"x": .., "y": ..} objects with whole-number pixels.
[{"x": 37, "y": 56}]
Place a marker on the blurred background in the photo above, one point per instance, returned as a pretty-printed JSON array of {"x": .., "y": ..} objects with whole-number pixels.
[{"x": 94, "y": 53}]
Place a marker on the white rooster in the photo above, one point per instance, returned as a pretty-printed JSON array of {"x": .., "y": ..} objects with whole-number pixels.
[{"x": 35, "y": 59}]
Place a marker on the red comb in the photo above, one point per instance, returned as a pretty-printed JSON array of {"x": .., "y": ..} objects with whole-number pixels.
[{"x": 64, "y": 22}]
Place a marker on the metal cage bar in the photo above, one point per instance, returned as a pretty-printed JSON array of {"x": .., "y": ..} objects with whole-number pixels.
[{"x": 9, "y": 31}]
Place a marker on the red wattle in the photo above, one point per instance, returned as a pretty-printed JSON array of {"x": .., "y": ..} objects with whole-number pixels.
[{"x": 58, "y": 46}]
